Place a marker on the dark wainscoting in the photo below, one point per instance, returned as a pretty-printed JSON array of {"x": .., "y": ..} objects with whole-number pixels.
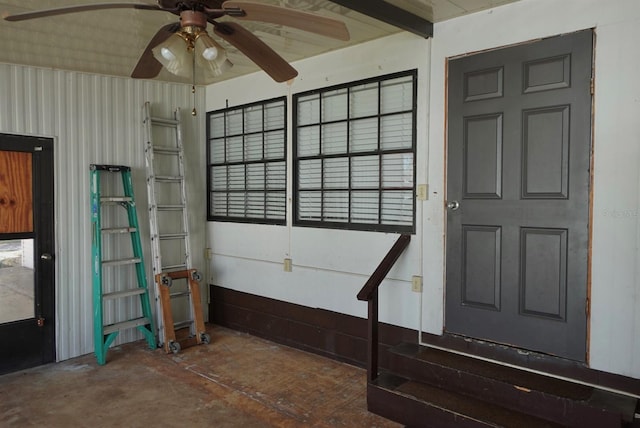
[
  {"x": 331, "y": 334},
  {"x": 344, "y": 337}
]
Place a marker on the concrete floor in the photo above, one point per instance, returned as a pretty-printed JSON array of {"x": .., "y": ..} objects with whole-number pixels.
[{"x": 236, "y": 381}]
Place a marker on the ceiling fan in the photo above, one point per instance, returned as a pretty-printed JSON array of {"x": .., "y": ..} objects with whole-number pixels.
[{"x": 185, "y": 46}]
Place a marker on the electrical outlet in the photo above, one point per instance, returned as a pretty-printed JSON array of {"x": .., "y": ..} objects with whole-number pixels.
[
  {"x": 287, "y": 265},
  {"x": 422, "y": 192},
  {"x": 416, "y": 284}
]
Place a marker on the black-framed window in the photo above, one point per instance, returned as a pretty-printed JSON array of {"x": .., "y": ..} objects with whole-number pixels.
[
  {"x": 354, "y": 155},
  {"x": 247, "y": 169}
]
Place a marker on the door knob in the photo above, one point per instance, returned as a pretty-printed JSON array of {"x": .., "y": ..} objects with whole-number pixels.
[
  {"x": 453, "y": 205},
  {"x": 46, "y": 256}
]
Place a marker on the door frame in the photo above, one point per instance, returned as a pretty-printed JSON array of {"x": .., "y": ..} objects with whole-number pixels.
[
  {"x": 32, "y": 342},
  {"x": 478, "y": 347}
]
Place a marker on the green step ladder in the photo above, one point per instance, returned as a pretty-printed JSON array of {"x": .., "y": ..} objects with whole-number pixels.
[{"x": 104, "y": 335}]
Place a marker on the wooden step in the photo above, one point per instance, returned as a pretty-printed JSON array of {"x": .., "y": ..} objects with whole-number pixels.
[
  {"x": 559, "y": 401},
  {"x": 416, "y": 404}
]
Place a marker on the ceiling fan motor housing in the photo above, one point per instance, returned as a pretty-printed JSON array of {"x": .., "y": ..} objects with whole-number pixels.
[{"x": 190, "y": 18}]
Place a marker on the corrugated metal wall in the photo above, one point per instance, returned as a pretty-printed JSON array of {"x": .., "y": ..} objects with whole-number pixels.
[{"x": 97, "y": 119}]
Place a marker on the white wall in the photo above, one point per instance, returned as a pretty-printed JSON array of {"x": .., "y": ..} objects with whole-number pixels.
[
  {"x": 330, "y": 266},
  {"x": 615, "y": 275},
  {"x": 96, "y": 119}
]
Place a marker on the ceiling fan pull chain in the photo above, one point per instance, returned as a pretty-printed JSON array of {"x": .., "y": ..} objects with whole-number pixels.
[{"x": 193, "y": 86}]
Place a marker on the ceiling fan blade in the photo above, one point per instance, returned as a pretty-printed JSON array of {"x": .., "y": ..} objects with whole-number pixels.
[
  {"x": 256, "y": 50},
  {"x": 290, "y": 17},
  {"x": 80, "y": 8},
  {"x": 148, "y": 67}
]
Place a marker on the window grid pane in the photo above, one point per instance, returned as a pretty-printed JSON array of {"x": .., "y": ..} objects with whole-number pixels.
[
  {"x": 334, "y": 138},
  {"x": 395, "y": 131},
  {"x": 355, "y": 161},
  {"x": 336, "y": 206},
  {"x": 363, "y": 135},
  {"x": 253, "y": 119},
  {"x": 247, "y": 156},
  {"x": 310, "y": 174},
  {"x": 363, "y": 100},
  {"x": 308, "y": 109},
  {"x": 365, "y": 172},
  {"x": 216, "y": 151},
  {"x": 336, "y": 173},
  {"x": 309, "y": 141},
  {"x": 396, "y": 95},
  {"x": 334, "y": 105},
  {"x": 217, "y": 125},
  {"x": 310, "y": 206}
]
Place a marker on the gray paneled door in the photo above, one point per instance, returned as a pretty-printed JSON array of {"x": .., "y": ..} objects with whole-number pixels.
[{"x": 519, "y": 145}]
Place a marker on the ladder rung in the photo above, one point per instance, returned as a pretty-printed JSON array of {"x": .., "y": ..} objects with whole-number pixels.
[
  {"x": 182, "y": 324},
  {"x": 115, "y": 199},
  {"x": 119, "y": 230},
  {"x": 119, "y": 326},
  {"x": 173, "y": 236},
  {"x": 124, "y": 293},
  {"x": 179, "y": 294},
  {"x": 171, "y": 267},
  {"x": 170, "y": 207},
  {"x": 163, "y": 121},
  {"x": 118, "y": 262},
  {"x": 167, "y": 150},
  {"x": 169, "y": 178}
]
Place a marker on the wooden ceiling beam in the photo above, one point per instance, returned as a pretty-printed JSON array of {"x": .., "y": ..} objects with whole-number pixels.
[{"x": 393, "y": 15}]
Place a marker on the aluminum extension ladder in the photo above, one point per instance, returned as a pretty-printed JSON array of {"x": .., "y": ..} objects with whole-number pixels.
[
  {"x": 114, "y": 267},
  {"x": 175, "y": 278}
]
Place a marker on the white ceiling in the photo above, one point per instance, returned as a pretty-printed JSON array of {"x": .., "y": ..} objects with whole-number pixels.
[{"x": 110, "y": 41}]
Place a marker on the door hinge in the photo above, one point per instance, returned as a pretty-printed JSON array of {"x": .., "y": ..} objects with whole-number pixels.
[
  {"x": 592, "y": 87},
  {"x": 40, "y": 322}
]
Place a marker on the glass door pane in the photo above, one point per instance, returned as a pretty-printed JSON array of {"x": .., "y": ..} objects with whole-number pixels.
[{"x": 16, "y": 280}]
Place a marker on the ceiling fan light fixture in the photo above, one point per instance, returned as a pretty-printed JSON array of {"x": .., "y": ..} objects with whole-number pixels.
[
  {"x": 211, "y": 58},
  {"x": 174, "y": 55},
  {"x": 208, "y": 49}
]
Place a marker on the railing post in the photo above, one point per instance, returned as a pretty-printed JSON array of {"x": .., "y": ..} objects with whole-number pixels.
[
  {"x": 372, "y": 355},
  {"x": 369, "y": 293}
]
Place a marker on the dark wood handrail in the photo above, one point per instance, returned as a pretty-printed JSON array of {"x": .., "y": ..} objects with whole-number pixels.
[
  {"x": 369, "y": 293},
  {"x": 383, "y": 268}
]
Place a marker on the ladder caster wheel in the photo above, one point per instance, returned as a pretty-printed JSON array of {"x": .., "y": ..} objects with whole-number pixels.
[
  {"x": 174, "y": 347},
  {"x": 195, "y": 275},
  {"x": 205, "y": 338},
  {"x": 166, "y": 281}
]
